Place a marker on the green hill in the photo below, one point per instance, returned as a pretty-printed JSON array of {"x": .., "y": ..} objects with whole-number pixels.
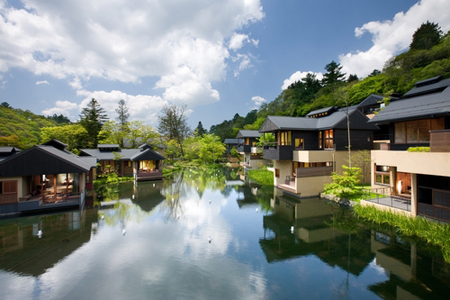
[{"x": 21, "y": 128}]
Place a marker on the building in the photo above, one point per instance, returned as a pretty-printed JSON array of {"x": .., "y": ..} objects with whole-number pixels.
[
  {"x": 308, "y": 149},
  {"x": 45, "y": 177},
  {"x": 420, "y": 118},
  {"x": 247, "y": 147},
  {"x": 143, "y": 162}
]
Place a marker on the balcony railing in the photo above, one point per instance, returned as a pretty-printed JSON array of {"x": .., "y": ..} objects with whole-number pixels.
[{"x": 274, "y": 151}]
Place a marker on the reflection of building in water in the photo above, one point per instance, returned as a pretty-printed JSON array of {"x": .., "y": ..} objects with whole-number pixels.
[
  {"x": 301, "y": 227},
  {"x": 411, "y": 275},
  {"x": 148, "y": 195},
  {"x": 24, "y": 253}
]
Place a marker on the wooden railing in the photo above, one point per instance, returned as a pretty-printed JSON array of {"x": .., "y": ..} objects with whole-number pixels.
[{"x": 440, "y": 141}]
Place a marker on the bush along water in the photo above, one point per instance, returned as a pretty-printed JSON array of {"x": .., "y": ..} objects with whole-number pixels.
[{"x": 433, "y": 232}]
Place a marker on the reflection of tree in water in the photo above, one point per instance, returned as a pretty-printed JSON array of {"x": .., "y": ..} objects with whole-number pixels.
[
  {"x": 122, "y": 213},
  {"x": 175, "y": 192}
]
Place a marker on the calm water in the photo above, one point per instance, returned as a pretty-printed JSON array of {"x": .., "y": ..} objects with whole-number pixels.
[{"x": 210, "y": 235}]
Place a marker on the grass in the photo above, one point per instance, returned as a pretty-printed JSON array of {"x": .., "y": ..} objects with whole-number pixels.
[
  {"x": 262, "y": 176},
  {"x": 433, "y": 232}
]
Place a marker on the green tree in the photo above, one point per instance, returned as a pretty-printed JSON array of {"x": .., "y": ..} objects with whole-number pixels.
[
  {"x": 426, "y": 36},
  {"x": 92, "y": 119},
  {"x": 344, "y": 185},
  {"x": 173, "y": 124},
  {"x": 6, "y": 104},
  {"x": 141, "y": 133},
  {"x": 111, "y": 133},
  {"x": 333, "y": 75},
  {"x": 199, "y": 131},
  {"x": 74, "y": 135},
  {"x": 122, "y": 118},
  {"x": 11, "y": 141}
]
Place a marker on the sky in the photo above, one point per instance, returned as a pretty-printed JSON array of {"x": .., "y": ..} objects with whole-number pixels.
[{"x": 218, "y": 57}]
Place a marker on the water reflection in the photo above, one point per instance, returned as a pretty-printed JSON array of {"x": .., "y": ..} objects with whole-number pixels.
[{"x": 287, "y": 248}]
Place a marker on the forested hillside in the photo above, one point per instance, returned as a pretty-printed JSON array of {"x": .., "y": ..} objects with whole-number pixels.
[{"x": 428, "y": 56}]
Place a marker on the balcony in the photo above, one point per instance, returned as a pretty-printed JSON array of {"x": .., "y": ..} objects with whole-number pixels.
[
  {"x": 440, "y": 140},
  {"x": 273, "y": 151},
  {"x": 257, "y": 150},
  {"x": 311, "y": 156},
  {"x": 244, "y": 148}
]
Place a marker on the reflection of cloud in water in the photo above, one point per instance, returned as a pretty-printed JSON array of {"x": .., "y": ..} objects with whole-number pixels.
[{"x": 156, "y": 259}]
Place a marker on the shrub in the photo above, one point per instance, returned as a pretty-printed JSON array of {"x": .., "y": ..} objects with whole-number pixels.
[{"x": 418, "y": 149}]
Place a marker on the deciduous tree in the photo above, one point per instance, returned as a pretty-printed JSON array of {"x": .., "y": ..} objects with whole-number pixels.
[{"x": 173, "y": 124}]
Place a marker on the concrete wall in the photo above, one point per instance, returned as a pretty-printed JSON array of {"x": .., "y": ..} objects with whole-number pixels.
[
  {"x": 311, "y": 186},
  {"x": 285, "y": 167}
]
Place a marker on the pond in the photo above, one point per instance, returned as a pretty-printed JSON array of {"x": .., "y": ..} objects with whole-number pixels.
[{"x": 212, "y": 235}]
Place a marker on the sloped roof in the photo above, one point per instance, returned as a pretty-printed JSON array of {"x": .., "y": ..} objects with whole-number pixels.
[
  {"x": 328, "y": 110},
  {"x": 248, "y": 134},
  {"x": 419, "y": 107},
  {"x": 126, "y": 154},
  {"x": 8, "y": 150},
  {"x": 333, "y": 121},
  {"x": 43, "y": 159},
  {"x": 232, "y": 141},
  {"x": 147, "y": 154},
  {"x": 56, "y": 143},
  {"x": 427, "y": 86}
]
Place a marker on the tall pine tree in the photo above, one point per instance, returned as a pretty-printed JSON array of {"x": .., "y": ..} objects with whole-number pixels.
[{"x": 92, "y": 119}]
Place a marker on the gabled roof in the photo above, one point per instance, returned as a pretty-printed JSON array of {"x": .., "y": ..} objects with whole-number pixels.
[
  {"x": 147, "y": 154},
  {"x": 337, "y": 120},
  {"x": 56, "y": 143},
  {"x": 126, "y": 154},
  {"x": 108, "y": 147},
  {"x": 8, "y": 150},
  {"x": 43, "y": 159},
  {"x": 248, "y": 134},
  {"x": 419, "y": 107}
]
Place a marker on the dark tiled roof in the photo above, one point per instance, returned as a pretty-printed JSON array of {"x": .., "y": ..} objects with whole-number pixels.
[
  {"x": 231, "y": 141},
  {"x": 126, "y": 154},
  {"x": 431, "y": 85},
  {"x": 147, "y": 154},
  {"x": 335, "y": 120},
  {"x": 248, "y": 134},
  {"x": 6, "y": 150},
  {"x": 419, "y": 107},
  {"x": 327, "y": 110}
]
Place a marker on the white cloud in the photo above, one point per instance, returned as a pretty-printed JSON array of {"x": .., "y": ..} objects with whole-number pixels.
[
  {"x": 393, "y": 36},
  {"x": 78, "y": 40},
  {"x": 42, "y": 82},
  {"x": 297, "y": 76},
  {"x": 258, "y": 100},
  {"x": 65, "y": 108},
  {"x": 140, "y": 107},
  {"x": 238, "y": 39}
]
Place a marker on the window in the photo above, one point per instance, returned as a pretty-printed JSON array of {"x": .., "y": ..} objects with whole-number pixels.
[
  {"x": 320, "y": 139},
  {"x": 284, "y": 138},
  {"x": 277, "y": 173},
  {"x": 329, "y": 139},
  {"x": 8, "y": 187},
  {"x": 247, "y": 141},
  {"x": 416, "y": 131},
  {"x": 382, "y": 175},
  {"x": 299, "y": 143}
]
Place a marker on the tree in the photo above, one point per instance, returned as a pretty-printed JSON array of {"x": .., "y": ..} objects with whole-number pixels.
[
  {"x": 341, "y": 98},
  {"x": 122, "y": 111},
  {"x": 352, "y": 77},
  {"x": 199, "y": 131},
  {"x": 11, "y": 141},
  {"x": 173, "y": 124},
  {"x": 375, "y": 72},
  {"x": 333, "y": 75},
  {"x": 92, "y": 119},
  {"x": 6, "y": 104},
  {"x": 74, "y": 135},
  {"x": 361, "y": 160},
  {"x": 60, "y": 119},
  {"x": 251, "y": 117},
  {"x": 139, "y": 133},
  {"x": 426, "y": 36}
]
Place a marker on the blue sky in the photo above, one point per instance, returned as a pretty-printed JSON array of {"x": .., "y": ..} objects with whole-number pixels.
[{"x": 217, "y": 57}]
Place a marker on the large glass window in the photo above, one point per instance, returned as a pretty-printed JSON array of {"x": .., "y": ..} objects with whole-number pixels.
[
  {"x": 382, "y": 175},
  {"x": 285, "y": 138},
  {"x": 329, "y": 139},
  {"x": 417, "y": 131}
]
